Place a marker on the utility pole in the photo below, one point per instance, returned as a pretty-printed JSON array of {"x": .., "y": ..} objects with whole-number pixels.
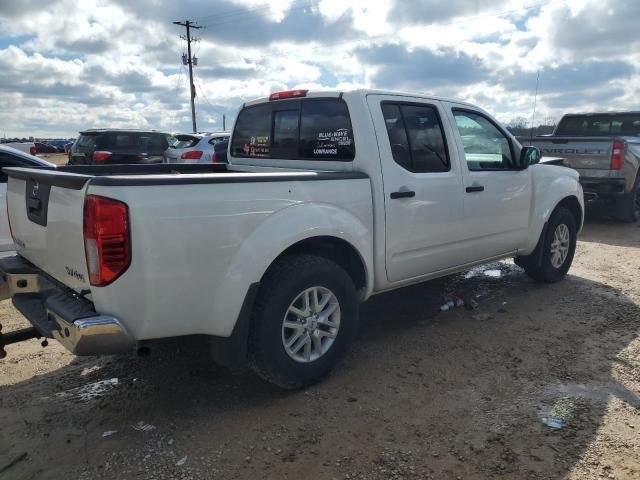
[{"x": 190, "y": 61}]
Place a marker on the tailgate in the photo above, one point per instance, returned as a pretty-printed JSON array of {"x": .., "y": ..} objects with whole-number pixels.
[
  {"x": 45, "y": 210},
  {"x": 581, "y": 153}
]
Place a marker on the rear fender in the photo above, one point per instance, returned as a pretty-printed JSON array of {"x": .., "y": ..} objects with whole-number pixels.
[{"x": 279, "y": 232}]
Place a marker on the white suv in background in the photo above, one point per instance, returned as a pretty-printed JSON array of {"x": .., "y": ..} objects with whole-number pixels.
[{"x": 198, "y": 148}]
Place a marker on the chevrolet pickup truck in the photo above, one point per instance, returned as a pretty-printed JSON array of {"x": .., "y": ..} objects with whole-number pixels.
[
  {"x": 328, "y": 198},
  {"x": 605, "y": 149}
]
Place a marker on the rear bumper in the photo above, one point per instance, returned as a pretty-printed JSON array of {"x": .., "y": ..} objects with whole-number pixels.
[
  {"x": 56, "y": 311},
  {"x": 601, "y": 186}
]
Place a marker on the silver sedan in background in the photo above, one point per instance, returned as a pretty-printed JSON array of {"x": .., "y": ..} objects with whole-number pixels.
[{"x": 198, "y": 148}]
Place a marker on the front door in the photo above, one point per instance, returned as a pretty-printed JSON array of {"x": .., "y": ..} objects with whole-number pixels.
[
  {"x": 422, "y": 181},
  {"x": 497, "y": 196}
]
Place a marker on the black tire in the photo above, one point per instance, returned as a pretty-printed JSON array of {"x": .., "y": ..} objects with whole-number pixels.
[
  {"x": 627, "y": 207},
  {"x": 281, "y": 285},
  {"x": 544, "y": 270}
]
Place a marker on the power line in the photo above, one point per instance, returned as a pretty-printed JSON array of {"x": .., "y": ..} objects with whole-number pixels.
[
  {"x": 192, "y": 90},
  {"x": 211, "y": 105}
]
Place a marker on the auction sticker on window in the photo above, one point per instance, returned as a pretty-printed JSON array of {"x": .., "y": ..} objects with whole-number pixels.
[
  {"x": 257, "y": 147},
  {"x": 328, "y": 143}
]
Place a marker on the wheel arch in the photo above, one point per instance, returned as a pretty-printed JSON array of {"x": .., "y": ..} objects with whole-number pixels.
[
  {"x": 337, "y": 250},
  {"x": 572, "y": 204}
]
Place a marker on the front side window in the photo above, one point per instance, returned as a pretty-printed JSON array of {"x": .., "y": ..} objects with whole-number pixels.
[
  {"x": 416, "y": 137},
  {"x": 486, "y": 147},
  {"x": 312, "y": 129}
]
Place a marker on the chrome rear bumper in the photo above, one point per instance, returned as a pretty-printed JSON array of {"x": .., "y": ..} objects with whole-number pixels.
[{"x": 58, "y": 312}]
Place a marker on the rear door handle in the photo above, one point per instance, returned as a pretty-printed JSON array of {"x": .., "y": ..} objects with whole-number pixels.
[
  {"x": 475, "y": 188},
  {"x": 403, "y": 194}
]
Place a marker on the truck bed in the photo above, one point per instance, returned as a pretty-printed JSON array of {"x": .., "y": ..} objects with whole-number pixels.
[{"x": 199, "y": 235}]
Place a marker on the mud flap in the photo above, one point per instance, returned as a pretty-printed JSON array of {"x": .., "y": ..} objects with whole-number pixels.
[{"x": 534, "y": 259}]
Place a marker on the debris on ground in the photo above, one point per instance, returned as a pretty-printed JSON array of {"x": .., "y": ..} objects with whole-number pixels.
[
  {"x": 182, "y": 461},
  {"x": 89, "y": 391},
  {"x": 108, "y": 433},
  {"x": 144, "y": 427},
  {"x": 556, "y": 423}
]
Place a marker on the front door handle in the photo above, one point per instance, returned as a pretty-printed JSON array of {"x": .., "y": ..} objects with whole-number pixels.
[
  {"x": 475, "y": 188},
  {"x": 403, "y": 194}
]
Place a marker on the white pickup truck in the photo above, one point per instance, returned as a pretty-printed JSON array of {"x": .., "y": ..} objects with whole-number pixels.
[{"x": 328, "y": 198}]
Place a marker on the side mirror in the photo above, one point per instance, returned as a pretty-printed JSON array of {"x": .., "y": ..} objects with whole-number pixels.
[{"x": 529, "y": 156}]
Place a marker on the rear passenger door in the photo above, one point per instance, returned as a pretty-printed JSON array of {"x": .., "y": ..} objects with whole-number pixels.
[{"x": 422, "y": 184}]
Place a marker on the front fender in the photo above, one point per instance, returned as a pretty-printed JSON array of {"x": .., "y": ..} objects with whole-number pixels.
[
  {"x": 279, "y": 232},
  {"x": 551, "y": 185}
]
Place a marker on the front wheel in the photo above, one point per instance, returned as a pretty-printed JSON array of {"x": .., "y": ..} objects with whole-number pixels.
[
  {"x": 558, "y": 248},
  {"x": 304, "y": 320}
]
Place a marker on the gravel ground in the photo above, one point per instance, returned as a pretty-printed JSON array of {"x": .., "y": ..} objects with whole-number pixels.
[{"x": 423, "y": 394}]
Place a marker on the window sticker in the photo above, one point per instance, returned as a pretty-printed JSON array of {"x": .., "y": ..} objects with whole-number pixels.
[
  {"x": 257, "y": 147},
  {"x": 328, "y": 142}
]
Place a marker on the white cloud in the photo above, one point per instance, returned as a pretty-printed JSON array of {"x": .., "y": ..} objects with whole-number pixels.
[{"x": 67, "y": 65}]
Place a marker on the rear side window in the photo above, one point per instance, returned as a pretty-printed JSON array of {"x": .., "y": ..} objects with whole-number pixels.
[
  {"x": 416, "y": 137},
  {"x": 312, "y": 129},
  {"x": 626, "y": 125}
]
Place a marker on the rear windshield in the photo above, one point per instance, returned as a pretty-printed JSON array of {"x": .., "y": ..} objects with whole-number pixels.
[
  {"x": 216, "y": 140},
  {"x": 87, "y": 140},
  {"x": 135, "y": 141},
  {"x": 623, "y": 125},
  {"x": 184, "y": 141},
  {"x": 311, "y": 129}
]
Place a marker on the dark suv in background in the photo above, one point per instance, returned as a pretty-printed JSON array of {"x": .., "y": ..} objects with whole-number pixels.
[{"x": 118, "y": 146}]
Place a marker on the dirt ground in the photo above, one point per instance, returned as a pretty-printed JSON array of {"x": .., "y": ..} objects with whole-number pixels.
[{"x": 423, "y": 393}]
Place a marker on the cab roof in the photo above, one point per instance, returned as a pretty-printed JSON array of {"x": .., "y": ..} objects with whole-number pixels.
[{"x": 362, "y": 91}]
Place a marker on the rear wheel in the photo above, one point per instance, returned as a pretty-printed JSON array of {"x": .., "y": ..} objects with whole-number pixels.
[
  {"x": 558, "y": 248},
  {"x": 627, "y": 207},
  {"x": 305, "y": 318}
]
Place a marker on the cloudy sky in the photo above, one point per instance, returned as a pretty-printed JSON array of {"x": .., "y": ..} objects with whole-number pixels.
[{"x": 66, "y": 65}]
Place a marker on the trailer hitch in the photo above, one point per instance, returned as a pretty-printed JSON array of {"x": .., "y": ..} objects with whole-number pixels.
[{"x": 18, "y": 336}]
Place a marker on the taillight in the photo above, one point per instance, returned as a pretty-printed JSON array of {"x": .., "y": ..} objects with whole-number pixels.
[
  {"x": 107, "y": 239},
  {"x": 100, "y": 156},
  {"x": 617, "y": 155},
  {"x": 214, "y": 158},
  {"x": 192, "y": 155},
  {"x": 288, "y": 94},
  {"x": 32, "y": 150}
]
